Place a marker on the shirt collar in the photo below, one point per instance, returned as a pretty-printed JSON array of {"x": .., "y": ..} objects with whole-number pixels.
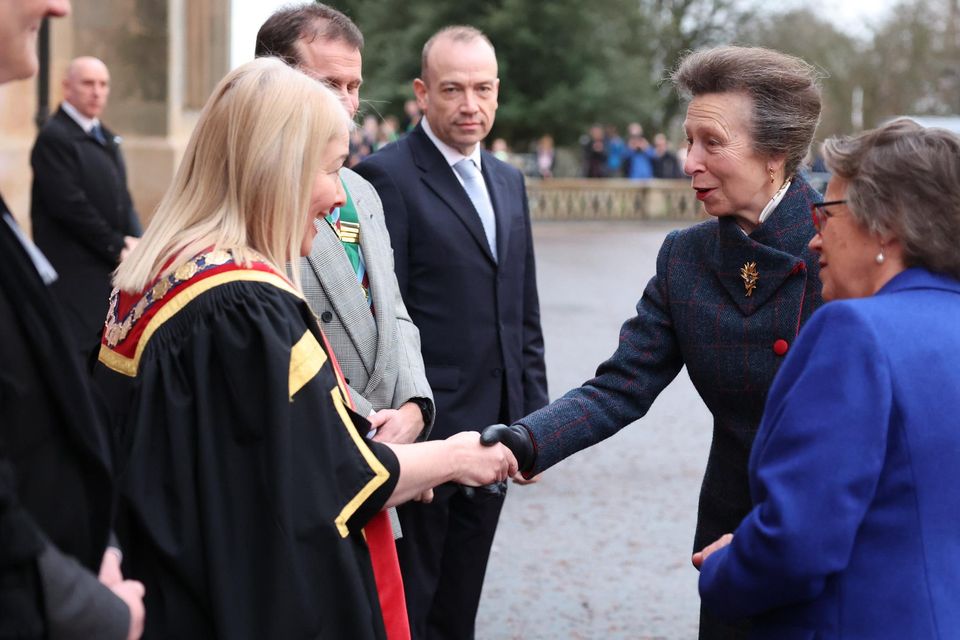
[
  {"x": 451, "y": 155},
  {"x": 774, "y": 202},
  {"x": 85, "y": 123}
]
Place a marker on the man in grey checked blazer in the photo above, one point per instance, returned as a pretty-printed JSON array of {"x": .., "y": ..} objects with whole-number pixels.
[{"x": 377, "y": 345}]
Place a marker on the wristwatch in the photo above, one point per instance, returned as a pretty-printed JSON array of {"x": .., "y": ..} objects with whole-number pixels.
[{"x": 426, "y": 410}]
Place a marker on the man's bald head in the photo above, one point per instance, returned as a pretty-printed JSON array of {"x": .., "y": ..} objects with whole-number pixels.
[{"x": 86, "y": 85}]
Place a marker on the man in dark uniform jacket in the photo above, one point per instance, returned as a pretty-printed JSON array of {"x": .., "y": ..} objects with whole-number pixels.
[
  {"x": 55, "y": 477},
  {"x": 83, "y": 216}
]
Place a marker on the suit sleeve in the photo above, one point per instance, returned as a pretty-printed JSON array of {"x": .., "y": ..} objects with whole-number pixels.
[
  {"x": 814, "y": 470},
  {"x": 77, "y": 604},
  {"x": 411, "y": 378},
  {"x": 56, "y": 167},
  {"x": 647, "y": 358},
  {"x": 534, "y": 367}
]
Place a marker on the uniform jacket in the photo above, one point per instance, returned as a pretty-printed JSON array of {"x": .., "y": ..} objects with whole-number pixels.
[
  {"x": 479, "y": 318},
  {"x": 81, "y": 210},
  {"x": 695, "y": 313},
  {"x": 854, "y": 475},
  {"x": 55, "y": 464},
  {"x": 378, "y": 352}
]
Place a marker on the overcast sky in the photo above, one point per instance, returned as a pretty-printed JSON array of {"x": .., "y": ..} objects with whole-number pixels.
[{"x": 856, "y": 17}]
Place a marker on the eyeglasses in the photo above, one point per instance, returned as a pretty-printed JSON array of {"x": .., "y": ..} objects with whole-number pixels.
[{"x": 820, "y": 213}]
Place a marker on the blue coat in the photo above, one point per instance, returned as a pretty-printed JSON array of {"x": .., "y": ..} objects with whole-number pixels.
[
  {"x": 695, "y": 312},
  {"x": 855, "y": 473}
]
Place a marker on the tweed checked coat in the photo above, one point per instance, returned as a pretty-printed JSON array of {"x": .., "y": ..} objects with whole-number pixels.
[
  {"x": 695, "y": 312},
  {"x": 378, "y": 352}
]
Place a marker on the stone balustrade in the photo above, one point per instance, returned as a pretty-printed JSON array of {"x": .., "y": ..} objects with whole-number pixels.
[{"x": 612, "y": 199}]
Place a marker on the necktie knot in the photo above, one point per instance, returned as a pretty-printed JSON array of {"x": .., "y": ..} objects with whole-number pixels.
[
  {"x": 468, "y": 170},
  {"x": 97, "y": 133}
]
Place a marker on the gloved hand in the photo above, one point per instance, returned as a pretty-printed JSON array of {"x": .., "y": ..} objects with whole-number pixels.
[{"x": 516, "y": 438}]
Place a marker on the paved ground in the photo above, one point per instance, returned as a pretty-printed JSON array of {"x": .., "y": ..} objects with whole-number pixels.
[{"x": 600, "y": 547}]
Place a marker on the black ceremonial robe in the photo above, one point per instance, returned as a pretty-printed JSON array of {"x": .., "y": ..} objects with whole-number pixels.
[{"x": 244, "y": 484}]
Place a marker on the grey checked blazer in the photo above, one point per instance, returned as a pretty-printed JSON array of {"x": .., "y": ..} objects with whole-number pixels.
[{"x": 380, "y": 357}]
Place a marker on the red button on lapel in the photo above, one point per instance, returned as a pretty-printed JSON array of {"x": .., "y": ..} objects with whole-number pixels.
[{"x": 780, "y": 347}]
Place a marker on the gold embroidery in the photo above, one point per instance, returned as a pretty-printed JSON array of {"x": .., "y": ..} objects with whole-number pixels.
[
  {"x": 115, "y": 331},
  {"x": 306, "y": 360},
  {"x": 128, "y": 366},
  {"x": 750, "y": 277}
]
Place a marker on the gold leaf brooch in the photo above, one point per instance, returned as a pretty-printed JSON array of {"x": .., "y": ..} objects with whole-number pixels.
[{"x": 750, "y": 277}]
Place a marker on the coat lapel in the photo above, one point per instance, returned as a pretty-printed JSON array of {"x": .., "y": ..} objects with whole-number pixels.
[
  {"x": 330, "y": 265},
  {"x": 496, "y": 187},
  {"x": 379, "y": 273},
  {"x": 439, "y": 178},
  {"x": 775, "y": 250}
]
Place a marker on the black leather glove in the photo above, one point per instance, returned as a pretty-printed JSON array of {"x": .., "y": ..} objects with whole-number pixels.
[{"x": 516, "y": 438}]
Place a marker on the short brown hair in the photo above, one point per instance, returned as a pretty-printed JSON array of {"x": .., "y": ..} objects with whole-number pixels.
[
  {"x": 457, "y": 33},
  {"x": 282, "y": 31},
  {"x": 904, "y": 179},
  {"x": 784, "y": 90}
]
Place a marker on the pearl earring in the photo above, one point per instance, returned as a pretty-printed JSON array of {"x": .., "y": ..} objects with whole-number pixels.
[{"x": 880, "y": 257}]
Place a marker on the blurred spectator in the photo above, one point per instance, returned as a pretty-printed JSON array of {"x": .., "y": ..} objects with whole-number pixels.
[
  {"x": 665, "y": 163},
  {"x": 500, "y": 150},
  {"x": 386, "y": 132},
  {"x": 359, "y": 148},
  {"x": 371, "y": 130},
  {"x": 617, "y": 152},
  {"x": 640, "y": 161},
  {"x": 594, "y": 153},
  {"x": 411, "y": 115},
  {"x": 546, "y": 156},
  {"x": 82, "y": 213}
]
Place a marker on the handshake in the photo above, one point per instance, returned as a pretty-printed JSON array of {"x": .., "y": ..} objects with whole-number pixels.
[
  {"x": 505, "y": 450},
  {"x": 513, "y": 437}
]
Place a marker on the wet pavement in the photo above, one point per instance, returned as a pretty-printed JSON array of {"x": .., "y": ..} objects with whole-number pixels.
[{"x": 600, "y": 547}]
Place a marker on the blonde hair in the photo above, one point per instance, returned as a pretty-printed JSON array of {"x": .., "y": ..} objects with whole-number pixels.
[{"x": 247, "y": 174}]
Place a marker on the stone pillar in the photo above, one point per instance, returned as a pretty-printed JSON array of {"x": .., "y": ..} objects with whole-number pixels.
[{"x": 164, "y": 58}]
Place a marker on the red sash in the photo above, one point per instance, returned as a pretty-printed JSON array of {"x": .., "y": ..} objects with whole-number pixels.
[{"x": 383, "y": 552}]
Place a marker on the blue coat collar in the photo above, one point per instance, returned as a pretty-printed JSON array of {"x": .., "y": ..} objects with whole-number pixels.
[{"x": 919, "y": 278}]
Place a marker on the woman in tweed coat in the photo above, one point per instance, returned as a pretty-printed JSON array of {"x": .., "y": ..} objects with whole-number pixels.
[{"x": 729, "y": 295}]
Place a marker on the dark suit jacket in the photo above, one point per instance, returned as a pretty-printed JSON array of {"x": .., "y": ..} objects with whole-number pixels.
[
  {"x": 694, "y": 312},
  {"x": 81, "y": 210},
  {"x": 54, "y": 458},
  {"x": 855, "y": 475},
  {"x": 479, "y": 319}
]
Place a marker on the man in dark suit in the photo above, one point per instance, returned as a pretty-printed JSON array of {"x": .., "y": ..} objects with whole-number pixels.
[
  {"x": 55, "y": 475},
  {"x": 463, "y": 251},
  {"x": 83, "y": 216}
]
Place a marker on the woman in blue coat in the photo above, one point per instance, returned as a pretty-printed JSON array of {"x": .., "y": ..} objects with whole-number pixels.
[{"x": 854, "y": 473}]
